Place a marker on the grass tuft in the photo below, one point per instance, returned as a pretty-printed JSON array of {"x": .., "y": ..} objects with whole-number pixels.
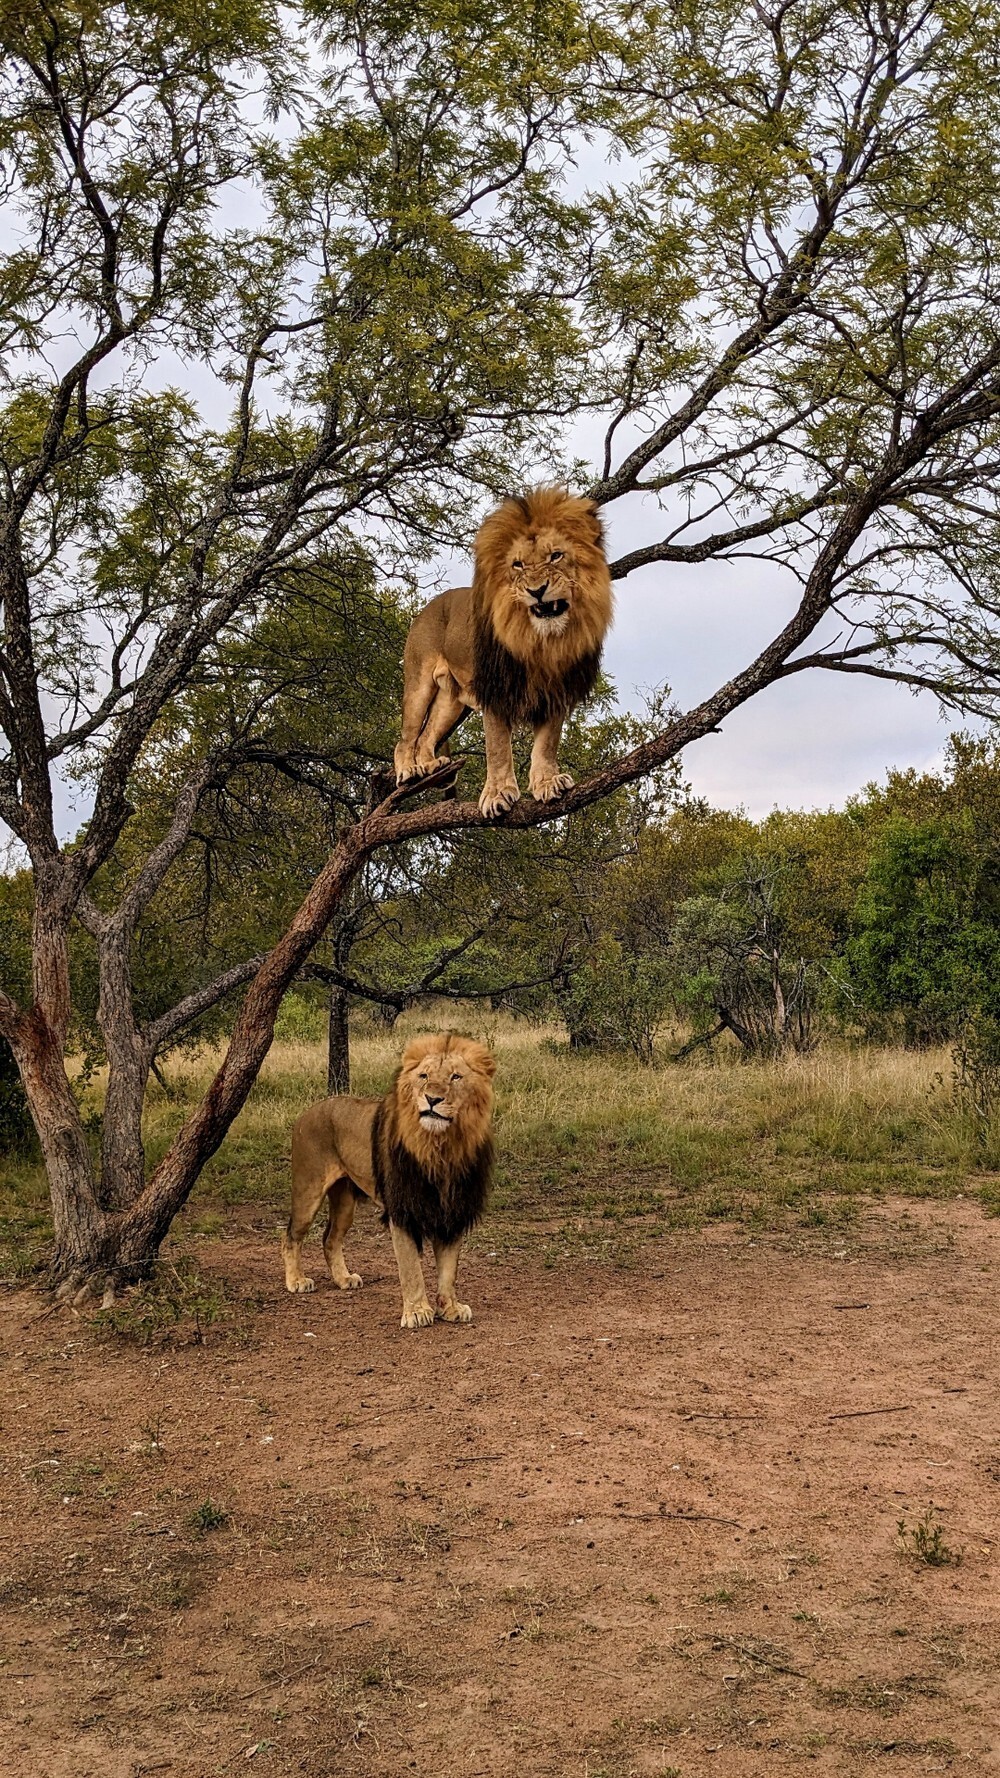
[
  {"x": 925, "y": 1542},
  {"x": 178, "y": 1299},
  {"x": 209, "y": 1516}
]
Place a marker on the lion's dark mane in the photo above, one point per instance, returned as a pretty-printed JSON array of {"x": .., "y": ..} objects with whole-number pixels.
[
  {"x": 413, "y": 1199},
  {"x": 505, "y": 686}
]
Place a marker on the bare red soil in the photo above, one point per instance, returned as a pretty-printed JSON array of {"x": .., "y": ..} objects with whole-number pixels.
[{"x": 627, "y": 1522}]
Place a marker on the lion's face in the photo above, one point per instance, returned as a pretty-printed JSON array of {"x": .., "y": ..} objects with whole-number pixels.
[
  {"x": 542, "y": 575},
  {"x": 445, "y": 1086},
  {"x": 543, "y": 578}
]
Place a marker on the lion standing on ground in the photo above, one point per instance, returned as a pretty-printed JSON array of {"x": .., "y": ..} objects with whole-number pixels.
[
  {"x": 522, "y": 644},
  {"x": 424, "y": 1152}
]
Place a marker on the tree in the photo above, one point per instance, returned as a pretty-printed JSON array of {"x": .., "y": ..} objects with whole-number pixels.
[
  {"x": 367, "y": 330},
  {"x": 731, "y": 964},
  {"x": 924, "y": 953},
  {"x": 786, "y": 314},
  {"x": 732, "y": 924}
]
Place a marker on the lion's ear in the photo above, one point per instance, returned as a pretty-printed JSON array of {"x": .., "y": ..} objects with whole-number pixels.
[
  {"x": 594, "y": 515},
  {"x": 413, "y": 1052},
  {"x": 486, "y": 1062}
]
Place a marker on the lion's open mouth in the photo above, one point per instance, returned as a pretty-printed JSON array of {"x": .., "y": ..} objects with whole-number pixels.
[
  {"x": 549, "y": 608},
  {"x": 438, "y": 1116}
]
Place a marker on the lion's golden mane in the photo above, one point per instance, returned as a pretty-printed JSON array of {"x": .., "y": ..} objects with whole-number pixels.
[
  {"x": 522, "y": 675},
  {"x": 435, "y": 1187}
]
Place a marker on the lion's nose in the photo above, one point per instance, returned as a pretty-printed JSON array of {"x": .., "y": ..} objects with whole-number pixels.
[
  {"x": 537, "y": 591},
  {"x": 431, "y": 1101}
]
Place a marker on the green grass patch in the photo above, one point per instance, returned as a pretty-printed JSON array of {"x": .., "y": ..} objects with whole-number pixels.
[{"x": 178, "y": 1300}]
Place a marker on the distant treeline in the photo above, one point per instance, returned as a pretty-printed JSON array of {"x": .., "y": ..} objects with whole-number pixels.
[{"x": 880, "y": 920}]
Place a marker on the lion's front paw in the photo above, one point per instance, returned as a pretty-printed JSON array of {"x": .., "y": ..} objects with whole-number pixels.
[
  {"x": 350, "y": 1281},
  {"x": 496, "y": 799},
  {"x": 420, "y": 1315},
  {"x": 299, "y": 1284},
  {"x": 546, "y": 786},
  {"x": 451, "y": 1310}
]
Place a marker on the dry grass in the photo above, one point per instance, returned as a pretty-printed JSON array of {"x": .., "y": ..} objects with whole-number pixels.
[
  {"x": 590, "y": 1143},
  {"x": 605, "y": 1137}
]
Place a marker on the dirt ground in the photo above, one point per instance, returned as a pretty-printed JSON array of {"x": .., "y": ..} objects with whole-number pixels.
[{"x": 640, "y": 1521}]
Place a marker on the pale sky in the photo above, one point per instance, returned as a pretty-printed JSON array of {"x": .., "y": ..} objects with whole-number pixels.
[{"x": 809, "y": 742}]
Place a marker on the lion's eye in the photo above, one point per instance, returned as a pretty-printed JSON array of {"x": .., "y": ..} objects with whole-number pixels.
[
  {"x": 423, "y": 1077},
  {"x": 556, "y": 555},
  {"x": 456, "y": 1077}
]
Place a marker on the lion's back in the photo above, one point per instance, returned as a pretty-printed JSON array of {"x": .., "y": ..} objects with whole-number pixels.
[
  {"x": 444, "y": 628},
  {"x": 337, "y": 1129}
]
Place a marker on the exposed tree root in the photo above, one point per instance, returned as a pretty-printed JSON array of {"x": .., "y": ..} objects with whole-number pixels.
[{"x": 79, "y": 1288}]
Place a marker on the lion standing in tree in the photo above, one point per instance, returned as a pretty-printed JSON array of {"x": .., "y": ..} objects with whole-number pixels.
[{"x": 522, "y": 644}]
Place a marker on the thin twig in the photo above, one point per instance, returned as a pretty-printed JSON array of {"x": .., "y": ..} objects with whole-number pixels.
[
  {"x": 750, "y": 1654},
  {"x": 725, "y": 1416},
  {"x": 684, "y": 1518},
  {"x": 902, "y": 1407}
]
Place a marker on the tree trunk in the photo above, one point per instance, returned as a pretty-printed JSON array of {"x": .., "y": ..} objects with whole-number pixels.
[
  {"x": 83, "y": 1232},
  {"x": 338, "y": 1061},
  {"x": 123, "y": 1160},
  {"x": 81, "y": 1227},
  {"x": 780, "y": 1009}
]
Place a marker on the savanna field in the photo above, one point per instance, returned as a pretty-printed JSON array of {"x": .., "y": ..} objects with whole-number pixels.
[
  {"x": 590, "y": 1140},
  {"x": 708, "y": 1486}
]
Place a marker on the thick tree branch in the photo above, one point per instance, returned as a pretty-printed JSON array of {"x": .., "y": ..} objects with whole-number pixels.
[
  {"x": 194, "y": 1005},
  {"x": 141, "y": 891}
]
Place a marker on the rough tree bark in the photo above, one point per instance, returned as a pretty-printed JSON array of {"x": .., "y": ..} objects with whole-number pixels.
[{"x": 338, "y": 1047}]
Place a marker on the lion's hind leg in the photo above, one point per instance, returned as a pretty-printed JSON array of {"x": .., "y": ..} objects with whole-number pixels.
[
  {"x": 443, "y": 718},
  {"x": 340, "y": 1202},
  {"x": 420, "y": 693},
  {"x": 308, "y": 1191}
]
